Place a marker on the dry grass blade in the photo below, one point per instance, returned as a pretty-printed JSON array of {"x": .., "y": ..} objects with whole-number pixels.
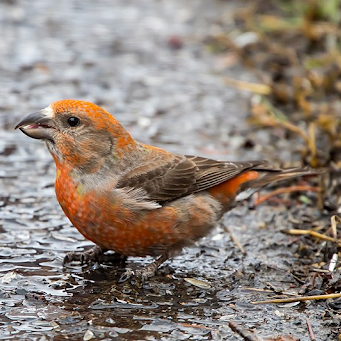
[
  {"x": 312, "y": 144},
  {"x": 334, "y": 221},
  {"x": 261, "y": 89},
  {"x": 313, "y": 234},
  {"x": 195, "y": 326},
  {"x": 298, "y": 299}
]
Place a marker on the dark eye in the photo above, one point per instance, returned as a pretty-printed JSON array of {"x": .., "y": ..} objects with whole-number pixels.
[{"x": 73, "y": 121}]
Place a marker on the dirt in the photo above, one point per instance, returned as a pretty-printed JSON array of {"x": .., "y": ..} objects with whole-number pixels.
[{"x": 148, "y": 63}]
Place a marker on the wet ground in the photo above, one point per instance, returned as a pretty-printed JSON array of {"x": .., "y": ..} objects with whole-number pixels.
[{"x": 148, "y": 63}]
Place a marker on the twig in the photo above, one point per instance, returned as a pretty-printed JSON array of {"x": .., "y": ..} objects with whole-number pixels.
[
  {"x": 313, "y": 234},
  {"x": 310, "y": 330},
  {"x": 245, "y": 334},
  {"x": 235, "y": 240},
  {"x": 299, "y": 299},
  {"x": 286, "y": 190}
]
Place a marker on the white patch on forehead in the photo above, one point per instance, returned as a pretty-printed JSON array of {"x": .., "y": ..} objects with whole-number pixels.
[{"x": 47, "y": 112}]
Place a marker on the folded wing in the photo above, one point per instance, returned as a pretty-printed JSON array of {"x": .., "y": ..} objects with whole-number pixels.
[{"x": 178, "y": 175}]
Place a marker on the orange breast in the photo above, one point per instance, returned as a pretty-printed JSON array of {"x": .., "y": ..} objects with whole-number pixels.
[{"x": 112, "y": 226}]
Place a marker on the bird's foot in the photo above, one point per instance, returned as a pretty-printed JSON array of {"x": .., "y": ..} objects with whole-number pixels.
[
  {"x": 95, "y": 254},
  {"x": 144, "y": 273}
]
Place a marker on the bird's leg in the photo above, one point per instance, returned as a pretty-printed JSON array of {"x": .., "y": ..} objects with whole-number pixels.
[
  {"x": 145, "y": 272},
  {"x": 95, "y": 254}
]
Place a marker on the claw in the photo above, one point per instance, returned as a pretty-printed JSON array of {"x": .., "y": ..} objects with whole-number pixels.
[
  {"x": 95, "y": 254},
  {"x": 129, "y": 273},
  {"x": 145, "y": 272},
  {"x": 92, "y": 254},
  {"x": 70, "y": 257}
]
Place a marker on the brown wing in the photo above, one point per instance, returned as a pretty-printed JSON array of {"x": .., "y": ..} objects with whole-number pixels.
[{"x": 180, "y": 175}]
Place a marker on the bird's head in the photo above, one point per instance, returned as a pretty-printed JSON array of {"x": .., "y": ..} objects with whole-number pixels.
[{"x": 78, "y": 133}]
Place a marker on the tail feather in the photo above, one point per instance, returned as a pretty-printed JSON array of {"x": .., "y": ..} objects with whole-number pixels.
[
  {"x": 271, "y": 175},
  {"x": 275, "y": 175}
]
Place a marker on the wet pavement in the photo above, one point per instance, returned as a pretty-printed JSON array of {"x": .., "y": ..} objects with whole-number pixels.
[{"x": 148, "y": 63}]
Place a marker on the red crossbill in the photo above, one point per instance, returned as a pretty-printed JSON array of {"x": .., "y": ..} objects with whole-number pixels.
[{"x": 136, "y": 199}]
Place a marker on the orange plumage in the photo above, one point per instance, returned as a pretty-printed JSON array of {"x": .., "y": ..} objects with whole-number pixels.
[{"x": 132, "y": 198}]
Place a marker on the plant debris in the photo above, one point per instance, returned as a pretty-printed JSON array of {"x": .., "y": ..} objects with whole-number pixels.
[{"x": 293, "y": 48}]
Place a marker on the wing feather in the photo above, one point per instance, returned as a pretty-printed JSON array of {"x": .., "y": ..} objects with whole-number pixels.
[{"x": 180, "y": 175}]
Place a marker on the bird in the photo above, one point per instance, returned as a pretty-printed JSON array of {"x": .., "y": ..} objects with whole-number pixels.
[{"x": 136, "y": 199}]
